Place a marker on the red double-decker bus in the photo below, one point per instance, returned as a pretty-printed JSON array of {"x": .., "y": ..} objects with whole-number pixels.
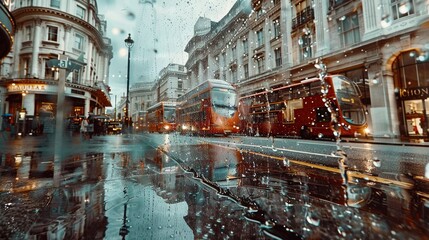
[
  {"x": 300, "y": 109},
  {"x": 209, "y": 109},
  {"x": 161, "y": 117}
]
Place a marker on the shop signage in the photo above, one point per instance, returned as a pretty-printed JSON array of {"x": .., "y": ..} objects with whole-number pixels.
[
  {"x": 414, "y": 93},
  {"x": 27, "y": 87}
]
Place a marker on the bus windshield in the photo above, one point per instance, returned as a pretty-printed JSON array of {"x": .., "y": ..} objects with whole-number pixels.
[
  {"x": 348, "y": 98},
  {"x": 224, "y": 101},
  {"x": 224, "y": 98},
  {"x": 343, "y": 85},
  {"x": 169, "y": 114}
]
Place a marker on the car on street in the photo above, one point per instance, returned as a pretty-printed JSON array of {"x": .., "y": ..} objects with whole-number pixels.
[{"x": 114, "y": 127}]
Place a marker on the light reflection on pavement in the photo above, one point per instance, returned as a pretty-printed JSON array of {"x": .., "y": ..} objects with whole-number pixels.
[{"x": 135, "y": 188}]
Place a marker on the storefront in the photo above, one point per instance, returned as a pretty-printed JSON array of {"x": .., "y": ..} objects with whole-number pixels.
[
  {"x": 30, "y": 105},
  {"x": 411, "y": 77}
]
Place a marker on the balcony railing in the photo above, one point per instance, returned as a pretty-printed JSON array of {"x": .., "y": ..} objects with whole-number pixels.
[{"x": 303, "y": 17}]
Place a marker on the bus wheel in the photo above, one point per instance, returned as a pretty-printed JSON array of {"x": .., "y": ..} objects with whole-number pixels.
[{"x": 305, "y": 132}]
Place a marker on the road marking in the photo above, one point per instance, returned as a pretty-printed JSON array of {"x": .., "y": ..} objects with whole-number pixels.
[
  {"x": 266, "y": 147},
  {"x": 334, "y": 145},
  {"x": 354, "y": 174}
]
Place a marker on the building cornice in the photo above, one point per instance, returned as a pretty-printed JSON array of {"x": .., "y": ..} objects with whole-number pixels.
[{"x": 42, "y": 12}]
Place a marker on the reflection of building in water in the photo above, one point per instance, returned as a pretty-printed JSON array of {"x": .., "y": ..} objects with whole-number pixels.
[
  {"x": 210, "y": 215},
  {"x": 76, "y": 209}
]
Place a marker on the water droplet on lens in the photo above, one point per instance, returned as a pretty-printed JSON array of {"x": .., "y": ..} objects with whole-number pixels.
[{"x": 376, "y": 162}]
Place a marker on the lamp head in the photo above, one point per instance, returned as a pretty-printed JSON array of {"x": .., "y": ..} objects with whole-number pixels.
[{"x": 128, "y": 41}]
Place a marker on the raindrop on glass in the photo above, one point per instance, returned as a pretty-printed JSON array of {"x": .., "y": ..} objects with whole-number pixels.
[
  {"x": 286, "y": 162},
  {"x": 313, "y": 219},
  {"x": 376, "y": 162},
  {"x": 386, "y": 21}
]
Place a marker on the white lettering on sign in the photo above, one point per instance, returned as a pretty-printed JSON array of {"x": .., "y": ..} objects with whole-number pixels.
[{"x": 26, "y": 87}]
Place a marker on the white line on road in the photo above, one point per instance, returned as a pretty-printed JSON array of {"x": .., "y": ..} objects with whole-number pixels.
[
  {"x": 277, "y": 149},
  {"x": 333, "y": 145}
]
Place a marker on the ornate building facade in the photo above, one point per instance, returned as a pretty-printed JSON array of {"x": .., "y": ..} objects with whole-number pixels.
[
  {"x": 31, "y": 73},
  {"x": 379, "y": 44}
]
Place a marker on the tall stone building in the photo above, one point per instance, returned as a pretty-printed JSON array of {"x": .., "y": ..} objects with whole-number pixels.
[
  {"x": 30, "y": 74},
  {"x": 7, "y": 29},
  {"x": 379, "y": 44},
  {"x": 170, "y": 84}
]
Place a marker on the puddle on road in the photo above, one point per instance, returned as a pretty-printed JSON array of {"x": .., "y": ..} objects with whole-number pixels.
[{"x": 201, "y": 192}]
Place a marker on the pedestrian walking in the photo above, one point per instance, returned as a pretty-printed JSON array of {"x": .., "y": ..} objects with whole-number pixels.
[{"x": 84, "y": 128}]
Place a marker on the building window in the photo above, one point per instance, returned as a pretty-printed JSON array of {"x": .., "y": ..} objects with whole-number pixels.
[
  {"x": 224, "y": 59},
  {"x": 234, "y": 75},
  {"x": 180, "y": 85},
  {"x": 304, "y": 43},
  {"x": 28, "y": 33},
  {"x": 246, "y": 70},
  {"x": 260, "y": 64},
  {"x": 52, "y": 33},
  {"x": 49, "y": 71},
  {"x": 348, "y": 28},
  {"x": 55, "y": 3},
  {"x": 276, "y": 25},
  {"x": 260, "y": 37},
  {"x": 245, "y": 47},
  {"x": 275, "y": 2},
  {"x": 402, "y": 8},
  {"x": 301, "y": 6},
  {"x": 278, "y": 56},
  {"x": 234, "y": 53},
  {"x": 26, "y": 68},
  {"x": 411, "y": 69},
  {"x": 75, "y": 76},
  {"x": 80, "y": 12},
  {"x": 78, "y": 42}
]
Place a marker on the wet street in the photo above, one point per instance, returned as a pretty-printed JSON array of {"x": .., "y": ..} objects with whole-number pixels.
[{"x": 169, "y": 186}]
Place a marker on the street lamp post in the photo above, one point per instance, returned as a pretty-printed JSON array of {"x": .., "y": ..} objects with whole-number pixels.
[{"x": 129, "y": 44}]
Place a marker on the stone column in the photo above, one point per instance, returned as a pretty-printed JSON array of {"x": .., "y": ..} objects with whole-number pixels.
[
  {"x": 200, "y": 76},
  {"x": 67, "y": 37},
  {"x": 211, "y": 66},
  {"x": 87, "y": 105},
  {"x": 88, "y": 71},
  {"x": 383, "y": 106},
  {"x": 321, "y": 22},
  {"x": 17, "y": 45},
  {"x": 286, "y": 24},
  {"x": 371, "y": 17},
  {"x": 36, "y": 43},
  {"x": 28, "y": 103}
]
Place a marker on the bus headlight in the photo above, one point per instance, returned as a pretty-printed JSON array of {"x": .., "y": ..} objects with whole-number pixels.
[
  {"x": 184, "y": 127},
  {"x": 166, "y": 127},
  {"x": 366, "y": 131}
]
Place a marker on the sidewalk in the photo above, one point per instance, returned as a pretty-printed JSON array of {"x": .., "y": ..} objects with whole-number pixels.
[{"x": 388, "y": 141}]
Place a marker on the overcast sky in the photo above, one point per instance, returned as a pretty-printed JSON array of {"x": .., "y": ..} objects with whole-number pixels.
[{"x": 173, "y": 29}]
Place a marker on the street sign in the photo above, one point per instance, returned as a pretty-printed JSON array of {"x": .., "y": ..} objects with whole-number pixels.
[{"x": 63, "y": 64}]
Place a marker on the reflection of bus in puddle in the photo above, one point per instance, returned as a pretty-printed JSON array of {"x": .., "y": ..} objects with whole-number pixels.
[
  {"x": 215, "y": 163},
  {"x": 167, "y": 183}
]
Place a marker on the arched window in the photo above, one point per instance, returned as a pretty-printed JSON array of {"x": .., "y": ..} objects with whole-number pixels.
[{"x": 411, "y": 69}]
